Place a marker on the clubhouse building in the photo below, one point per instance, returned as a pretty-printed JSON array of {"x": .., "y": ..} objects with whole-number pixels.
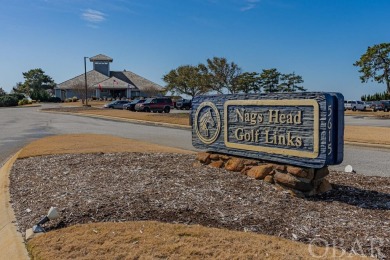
[{"x": 103, "y": 83}]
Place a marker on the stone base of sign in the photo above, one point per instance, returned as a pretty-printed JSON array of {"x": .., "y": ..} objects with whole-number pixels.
[{"x": 297, "y": 181}]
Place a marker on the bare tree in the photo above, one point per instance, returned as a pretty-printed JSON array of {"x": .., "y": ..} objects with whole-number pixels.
[
  {"x": 188, "y": 80},
  {"x": 79, "y": 90},
  {"x": 150, "y": 91}
]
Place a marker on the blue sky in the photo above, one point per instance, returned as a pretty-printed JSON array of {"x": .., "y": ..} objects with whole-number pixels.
[{"x": 317, "y": 39}]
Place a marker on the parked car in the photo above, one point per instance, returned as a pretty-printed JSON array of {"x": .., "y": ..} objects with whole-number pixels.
[
  {"x": 131, "y": 106},
  {"x": 354, "y": 105},
  {"x": 376, "y": 106},
  {"x": 385, "y": 105},
  {"x": 155, "y": 105},
  {"x": 116, "y": 104},
  {"x": 367, "y": 104},
  {"x": 184, "y": 104}
]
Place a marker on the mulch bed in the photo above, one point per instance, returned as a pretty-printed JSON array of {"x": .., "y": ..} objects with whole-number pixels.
[{"x": 86, "y": 188}]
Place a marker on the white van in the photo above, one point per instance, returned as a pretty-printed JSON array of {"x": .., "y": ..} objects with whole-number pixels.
[{"x": 354, "y": 105}]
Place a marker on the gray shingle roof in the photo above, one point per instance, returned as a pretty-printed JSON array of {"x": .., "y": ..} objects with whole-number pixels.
[
  {"x": 117, "y": 79},
  {"x": 100, "y": 57},
  {"x": 140, "y": 82},
  {"x": 115, "y": 83},
  {"x": 123, "y": 79},
  {"x": 93, "y": 77}
]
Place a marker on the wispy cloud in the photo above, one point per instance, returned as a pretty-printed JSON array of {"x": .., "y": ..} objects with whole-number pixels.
[
  {"x": 249, "y": 5},
  {"x": 93, "y": 16}
]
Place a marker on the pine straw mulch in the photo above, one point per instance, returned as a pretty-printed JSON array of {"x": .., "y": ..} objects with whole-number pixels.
[{"x": 119, "y": 187}]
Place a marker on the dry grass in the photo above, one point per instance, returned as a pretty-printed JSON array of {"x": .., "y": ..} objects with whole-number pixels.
[
  {"x": 171, "y": 118},
  {"x": 154, "y": 240},
  {"x": 367, "y": 134},
  {"x": 94, "y": 103},
  {"x": 91, "y": 143},
  {"x": 371, "y": 113}
]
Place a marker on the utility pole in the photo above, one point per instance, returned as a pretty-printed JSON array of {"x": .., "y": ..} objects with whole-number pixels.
[{"x": 85, "y": 81}]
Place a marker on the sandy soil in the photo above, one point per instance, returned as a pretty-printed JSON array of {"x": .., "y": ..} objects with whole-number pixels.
[{"x": 165, "y": 187}]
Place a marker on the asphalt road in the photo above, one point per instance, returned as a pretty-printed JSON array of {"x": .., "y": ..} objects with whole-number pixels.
[{"x": 19, "y": 126}]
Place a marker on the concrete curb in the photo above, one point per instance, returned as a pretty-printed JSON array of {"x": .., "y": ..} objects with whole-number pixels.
[
  {"x": 21, "y": 106},
  {"x": 11, "y": 241},
  {"x": 121, "y": 119}
]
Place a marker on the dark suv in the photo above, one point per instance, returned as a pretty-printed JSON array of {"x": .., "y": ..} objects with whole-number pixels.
[
  {"x": 155, "y": 105},
  {"x": 184, "y": 104},
  {"x": 383, "y": 105},
  {"x": 131, "y": 105},
  {"x": 386, "y": 105}
]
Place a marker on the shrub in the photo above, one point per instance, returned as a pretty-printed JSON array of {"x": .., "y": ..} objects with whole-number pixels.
[
  {"x": 23, "y": 102},
  {"x": 40, "y": 94},
  {"x": 8, "y": 101},
  {"x": 55, "y": 99},
  {"x": 376, "y": 97},
  {"x": 18, "y": 96},
  {"x": 75, "y": 99}
]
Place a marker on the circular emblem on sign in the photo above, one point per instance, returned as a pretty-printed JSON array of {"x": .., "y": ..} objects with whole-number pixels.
[{"x": 207, "y": 122}]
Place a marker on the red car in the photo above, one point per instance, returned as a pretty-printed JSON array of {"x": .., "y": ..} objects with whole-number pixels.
[{"x": 155, "y": 105}]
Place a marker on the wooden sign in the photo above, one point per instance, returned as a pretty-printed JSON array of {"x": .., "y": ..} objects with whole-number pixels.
[{"x": 304, "y": 129}]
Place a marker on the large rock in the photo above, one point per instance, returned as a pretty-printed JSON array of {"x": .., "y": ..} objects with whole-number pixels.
[
  {"x": 279, "y": 167},
  {"x": 269, "y": 179},
  {"x": 292, "y": 182},
  {"x": 224, "y": 157},
  {"x": 217, "y": 164},
  {"x": 324, "y": 186},
  {"x": 251, "y": 162},
  {"x": 203, "y": 158},
  {"x": 235, "y": 165},
  {"x": 301, "y": 172},
  {"x": 214, "y": 156},
  {"x": 259, "y": 172},
  {"x": 321, "y": 173}
]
